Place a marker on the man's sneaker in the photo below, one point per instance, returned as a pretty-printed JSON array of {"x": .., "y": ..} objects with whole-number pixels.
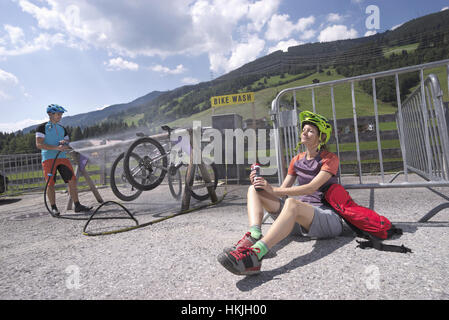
[
  {"x": 81, "y": 208},
  {"x": 242, "y": 261},
  {"x": 247, "y": 241},
  {"x": 55, "y": 212}
]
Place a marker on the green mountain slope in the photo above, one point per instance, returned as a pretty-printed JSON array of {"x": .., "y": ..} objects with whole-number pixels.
[{"x": 421, "y": 40}]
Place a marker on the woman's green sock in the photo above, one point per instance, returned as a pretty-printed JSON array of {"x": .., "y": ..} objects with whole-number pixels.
[
  {"x": 256, "y": 232},
  {"x": 263, "y": 249}
]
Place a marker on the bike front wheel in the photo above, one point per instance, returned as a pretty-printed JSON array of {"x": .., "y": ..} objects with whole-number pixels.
[
  {"x": 147, "y": 171},
  {"x": 119, "y": 184}
]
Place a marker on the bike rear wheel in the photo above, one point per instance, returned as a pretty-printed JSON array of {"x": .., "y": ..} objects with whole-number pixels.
[
  {"x": 198, "y": 189},
  {"x": 148, "y": 170},
  {"x": 119, "y": 184}
]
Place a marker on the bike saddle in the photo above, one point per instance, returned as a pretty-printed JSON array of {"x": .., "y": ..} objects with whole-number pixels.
[{"x": 167, "y": 128}]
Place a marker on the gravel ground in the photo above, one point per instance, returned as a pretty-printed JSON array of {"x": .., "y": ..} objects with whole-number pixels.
[{"x": 47, "y": 258}]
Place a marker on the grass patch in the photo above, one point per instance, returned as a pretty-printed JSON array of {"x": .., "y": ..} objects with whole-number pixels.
[
  {"x": 398, "y": 49},
  {"x": 134, "y": 119},
  {"x": 263, "y": 99}
]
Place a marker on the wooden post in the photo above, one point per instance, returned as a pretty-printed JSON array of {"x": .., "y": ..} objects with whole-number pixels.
[
  {"x": 209, "y": 183},
  {"x": 185, "y": 204},
  {"x": 76, "y": 158}
]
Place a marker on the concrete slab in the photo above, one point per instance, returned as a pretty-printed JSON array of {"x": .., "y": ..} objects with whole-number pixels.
[{"x": 47, "y": 258}]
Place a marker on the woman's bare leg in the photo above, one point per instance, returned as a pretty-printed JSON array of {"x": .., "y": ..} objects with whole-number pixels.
[
  {"x": 294, "y": 211},
  {"x": 257, "y": 202}
]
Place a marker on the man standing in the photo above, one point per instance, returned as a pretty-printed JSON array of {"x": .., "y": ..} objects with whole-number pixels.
[{"x": 52, "y": 138}]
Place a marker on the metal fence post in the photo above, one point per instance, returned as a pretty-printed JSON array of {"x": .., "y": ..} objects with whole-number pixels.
[
  {"x": 336, "y": 131},
  {"x": 401, "y": 125},
  {"x": 356, "y": 131},
  {"x": 376, "y": 116},
  {"x": 426, "y": 124}
]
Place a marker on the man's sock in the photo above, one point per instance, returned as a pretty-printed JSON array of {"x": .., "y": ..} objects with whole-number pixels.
[
  {"x": 77, "y": 204},
  {"x": 53, "y": 206},
  {"x": 256, "y": 232},
  {"x": 263, "y": 249}
]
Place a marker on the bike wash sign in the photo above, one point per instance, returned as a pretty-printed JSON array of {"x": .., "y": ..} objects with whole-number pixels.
[
  {"x": 227, "y": 100},
  {"x": 237, "y": 98}
]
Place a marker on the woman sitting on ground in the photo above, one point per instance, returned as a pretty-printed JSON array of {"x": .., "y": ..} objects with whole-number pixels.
[{"x": 303, "y": 211}]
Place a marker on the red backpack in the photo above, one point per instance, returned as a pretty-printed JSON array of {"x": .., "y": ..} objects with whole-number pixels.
[{"x": 365, "y": 222}]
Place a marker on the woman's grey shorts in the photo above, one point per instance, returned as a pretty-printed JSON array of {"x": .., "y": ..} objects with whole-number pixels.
[{"x": 325, "y": 224}]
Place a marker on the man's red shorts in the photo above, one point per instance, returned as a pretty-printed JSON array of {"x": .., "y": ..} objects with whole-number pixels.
[{"x": 64, "y": 168}]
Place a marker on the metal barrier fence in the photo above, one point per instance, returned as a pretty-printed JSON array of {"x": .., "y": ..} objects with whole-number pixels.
[
  {"x": 20, "y": 172},
  {"x": 424, "y": 122},
  {"x": 420, "y": 115}
]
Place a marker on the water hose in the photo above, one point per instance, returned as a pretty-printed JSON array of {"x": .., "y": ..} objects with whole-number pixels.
[{"x": 130, "y": 215}]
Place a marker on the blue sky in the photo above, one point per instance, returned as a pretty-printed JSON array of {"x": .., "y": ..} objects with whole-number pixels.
[{"x": 89, "y": 54}]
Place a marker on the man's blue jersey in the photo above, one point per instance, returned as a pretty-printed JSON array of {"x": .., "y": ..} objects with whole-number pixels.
[{"x": 52, "y": 134}]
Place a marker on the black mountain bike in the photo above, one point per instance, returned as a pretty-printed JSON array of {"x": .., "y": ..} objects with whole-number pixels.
[{"x": 146, "y": 163}]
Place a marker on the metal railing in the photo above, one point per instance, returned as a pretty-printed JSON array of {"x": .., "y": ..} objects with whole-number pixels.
[
  {"x": 20, "y": 173},
  {"x": 421, "y": 122},
  {"x": 24, "y": 171},
  {"x": 423, "y": 118}
]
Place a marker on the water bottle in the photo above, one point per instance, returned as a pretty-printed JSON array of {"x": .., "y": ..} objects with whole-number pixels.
[{"x": 256, "y": 167}]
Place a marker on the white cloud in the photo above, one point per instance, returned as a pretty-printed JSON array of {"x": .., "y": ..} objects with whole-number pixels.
[
  {"x": 15, "y": 126},
  {"x": 260, "y": 13},
  {"x": 284, "y": 45},
  {"x": 7, "y": 77},
  {"x": 308, "y": 34},
  {"x": 14, "y": 45},
  {"x": 119, "y": 27},
  {"x": 396, "y": 26},
  {"x": 240, "y": 54},
  {"x": 370, "y": 33},
  {"x": 445, "y": 8},
  {"x": 334, "y": 17},
  {"x": 218, "y": 28},
  {"x": 337, "y": 32},
  {"x": 178, "y": 70},
  {"x": 10, "y": 87},
  {"x": 15, "y": 34},
  {"x": 121, "y": 64},
  {"x": 190, "y": 80},
  {"x": 7, "y": 82},
  {"x": 280, "y": 27},
  {"x": 124, "y": 27}
]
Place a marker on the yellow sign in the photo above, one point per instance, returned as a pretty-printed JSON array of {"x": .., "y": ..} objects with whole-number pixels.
[{"x": 238, "y": 98}]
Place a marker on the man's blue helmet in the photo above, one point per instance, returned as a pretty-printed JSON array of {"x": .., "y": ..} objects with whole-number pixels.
[{"x": 53, "y": 108}]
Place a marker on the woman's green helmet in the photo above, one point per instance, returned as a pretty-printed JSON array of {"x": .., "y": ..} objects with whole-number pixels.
[{"x": 319, "y": 121}]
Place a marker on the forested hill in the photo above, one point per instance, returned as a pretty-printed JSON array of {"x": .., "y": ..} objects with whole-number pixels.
[
  {"x": 87, "y": 119},
  {"x": 421, "y": 40},
  {"x": 428, "y": 32},
  {"x": 418, "y": 41}
]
